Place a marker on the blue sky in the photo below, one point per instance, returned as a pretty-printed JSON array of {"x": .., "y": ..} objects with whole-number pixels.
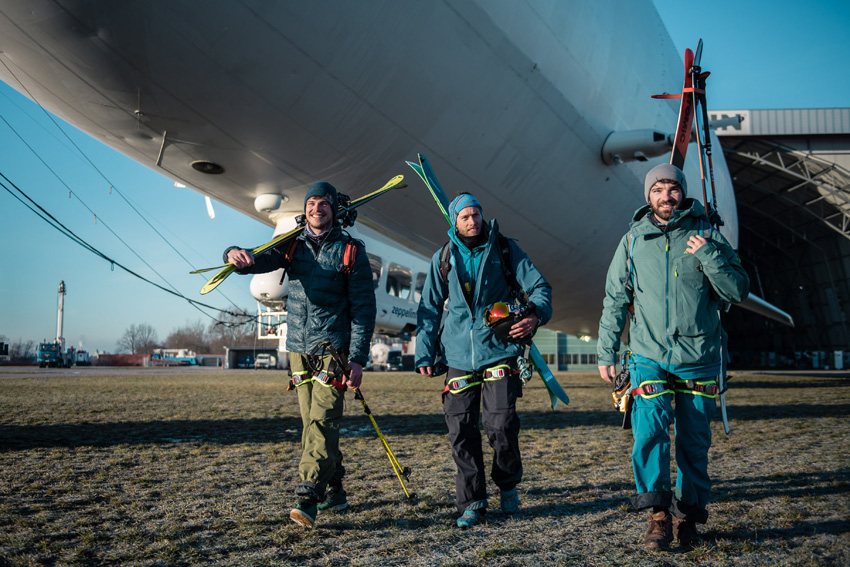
[{"x": 761, "y": 54}]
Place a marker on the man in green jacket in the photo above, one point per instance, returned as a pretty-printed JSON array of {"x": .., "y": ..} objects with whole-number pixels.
[
  {"x": 327, "y": 302},
  {"x": 668, "y": 278}
]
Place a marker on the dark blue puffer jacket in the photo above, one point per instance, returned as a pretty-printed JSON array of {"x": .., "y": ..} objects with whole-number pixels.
[{"x": 324, "y": 303}]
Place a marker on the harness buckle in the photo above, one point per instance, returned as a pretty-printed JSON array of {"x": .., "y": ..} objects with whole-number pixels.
[
  {"x": 497, "y": 373},
  {"x": 323, "y": 377}
]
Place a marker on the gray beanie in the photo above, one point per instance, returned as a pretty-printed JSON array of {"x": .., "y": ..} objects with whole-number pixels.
[
  {"x": 664, "y": 172},
  {"x": 324, "y": 190}
]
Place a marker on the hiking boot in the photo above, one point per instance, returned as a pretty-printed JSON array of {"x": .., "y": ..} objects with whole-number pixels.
[
  {"x": 468, "y": 519},
  {"x": 659, "y": 534},
  {"x": 304, "y": 514},
  {"x": 685, "y": 532},
  {"x": 335, "y": 502},
  {"x": 509, "y": 501}
]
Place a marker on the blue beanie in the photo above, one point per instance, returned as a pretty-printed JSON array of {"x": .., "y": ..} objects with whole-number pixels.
[
  {"x": 461, "y": 202},
  {"x": 324, "y": 190}
]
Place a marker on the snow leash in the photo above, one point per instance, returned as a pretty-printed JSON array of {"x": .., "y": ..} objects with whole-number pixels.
[
  {"x": 346, "y": 214},
  {"x": 403, "y": 473},
  {"x": 553, "y": 388}
]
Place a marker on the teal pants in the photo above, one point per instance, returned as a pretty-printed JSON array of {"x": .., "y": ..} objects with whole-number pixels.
[{"x": 690, "y": 414}]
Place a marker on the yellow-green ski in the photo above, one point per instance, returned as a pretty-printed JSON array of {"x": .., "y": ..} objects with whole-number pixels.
[{"x": 343, "y": 212}]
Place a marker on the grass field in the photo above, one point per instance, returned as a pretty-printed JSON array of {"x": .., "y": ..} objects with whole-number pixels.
[{"x": 193, "y": 467}]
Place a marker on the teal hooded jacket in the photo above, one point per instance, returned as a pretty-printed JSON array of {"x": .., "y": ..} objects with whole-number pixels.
[
  {"x": 466, "y": 342},
  {"x": 675, "y": 294}
]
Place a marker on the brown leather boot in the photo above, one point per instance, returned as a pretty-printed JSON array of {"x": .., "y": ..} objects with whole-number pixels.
[
  {"x": 660, "y": 531},
  {"x": 685, "y": 532}
]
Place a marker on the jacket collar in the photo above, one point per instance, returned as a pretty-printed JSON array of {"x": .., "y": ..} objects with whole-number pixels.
[{"x": 693, "y": 211}]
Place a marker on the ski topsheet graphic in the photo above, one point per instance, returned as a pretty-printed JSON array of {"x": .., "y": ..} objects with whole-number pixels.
[
  {"x": 426, "y": 173},
  {"x": 345, "y": 213}
]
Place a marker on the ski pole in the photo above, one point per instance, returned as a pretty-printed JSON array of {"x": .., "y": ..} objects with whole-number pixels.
[
  {"x": 402, "y": 473},
  {"x": 397, "y": 468}
]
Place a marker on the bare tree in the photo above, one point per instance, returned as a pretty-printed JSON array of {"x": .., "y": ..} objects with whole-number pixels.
[
  {"x": 232, "y": 330},
  {"x": 22, "y": 351},
  {"x": 138, "y": 339},
  {"x": 193, "y": 336}
]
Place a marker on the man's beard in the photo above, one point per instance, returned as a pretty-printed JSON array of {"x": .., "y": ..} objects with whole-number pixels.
[{"x": 666, "y": 213}]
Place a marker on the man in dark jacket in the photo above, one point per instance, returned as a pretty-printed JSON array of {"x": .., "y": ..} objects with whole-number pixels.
[
  {"x": 327, "y": 302},
  {"x": 669, "y": 275},
  {"x": 482, "y": 365}
]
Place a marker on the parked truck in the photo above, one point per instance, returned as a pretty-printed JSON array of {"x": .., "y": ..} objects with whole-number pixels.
[{"x": 50, "y": 355}]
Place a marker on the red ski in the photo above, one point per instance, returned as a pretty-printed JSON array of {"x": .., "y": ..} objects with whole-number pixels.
[{"x": 686, "y": 114}]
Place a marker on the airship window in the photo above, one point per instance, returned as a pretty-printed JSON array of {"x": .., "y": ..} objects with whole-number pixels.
[
  {"x": 420, "y": 284},
  {"x": 376, "y": 265},
  {"x": 398, "y": 281}
]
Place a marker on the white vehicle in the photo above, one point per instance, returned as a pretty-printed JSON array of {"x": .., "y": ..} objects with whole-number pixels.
[{"x": 265, "y": 360}]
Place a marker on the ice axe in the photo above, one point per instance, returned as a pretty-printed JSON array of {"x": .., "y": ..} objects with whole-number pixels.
[{"x": 403, "y": 473}]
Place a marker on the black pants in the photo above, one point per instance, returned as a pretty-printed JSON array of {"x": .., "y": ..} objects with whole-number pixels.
[{"x": 501, "y": 424}]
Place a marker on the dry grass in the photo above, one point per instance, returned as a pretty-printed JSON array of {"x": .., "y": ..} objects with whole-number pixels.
[{"x": 165, "y": 467}]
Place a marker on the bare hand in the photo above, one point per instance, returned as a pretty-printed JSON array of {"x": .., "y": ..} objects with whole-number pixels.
[
  {"x": 425, "y": 370},
  {"x": 355, "y": 376},
  {"x": 695, "y": 242},
  {"x": 524, "y": 327},
  {"x": 240, "y": 258},
  {"x": 608, "y": 372}
]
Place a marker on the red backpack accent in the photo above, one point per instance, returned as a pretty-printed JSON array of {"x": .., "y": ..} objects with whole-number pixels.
[{"x": 348, "y": 255}]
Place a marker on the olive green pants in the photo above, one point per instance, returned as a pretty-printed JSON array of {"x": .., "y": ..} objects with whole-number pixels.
[{"x": 321, "y": 411}]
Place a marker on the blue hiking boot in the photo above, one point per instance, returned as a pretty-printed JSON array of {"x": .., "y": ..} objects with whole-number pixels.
[
  {"x": 304, "y": 514},
  {"x": 335, "y": 502},
  {"x": 509, "y": 501},
  {"x": 468, "y": 519}
]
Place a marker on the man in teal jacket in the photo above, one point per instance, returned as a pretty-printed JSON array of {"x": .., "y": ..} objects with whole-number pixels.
[
  {"x": 482, "y": 364},
  {"x": 668, "y": 278},
  {"x": 326, "y": 303}
]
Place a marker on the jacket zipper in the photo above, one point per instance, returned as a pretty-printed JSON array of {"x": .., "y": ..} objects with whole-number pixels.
[{"x": 667, "y": 296}]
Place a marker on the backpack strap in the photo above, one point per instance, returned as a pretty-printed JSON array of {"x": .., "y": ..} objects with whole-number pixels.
[
  {"x": 290, "y": 252},
  {"x": 349, "y": 255},
  {"x": 287, "y": 258},
  {"x": 504, "y": 246},
  {"x": 630, "y": 272},
  {"x": 446, "y": 261}
]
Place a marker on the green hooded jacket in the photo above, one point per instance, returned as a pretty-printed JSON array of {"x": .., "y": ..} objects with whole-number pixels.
[{"x": 676, "y": 294}]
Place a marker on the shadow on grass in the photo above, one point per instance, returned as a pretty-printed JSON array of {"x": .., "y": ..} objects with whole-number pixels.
[
  {"x": 755, "y": 413},
  {"x": 272, "y": 430},
  {"x": 219, "y": 431},
  {"x": 255, "y": 430},
  {"x": 806, "y": 383},
  {"x": 832, "y": 527},
  {"x": 792, "y": 485}
]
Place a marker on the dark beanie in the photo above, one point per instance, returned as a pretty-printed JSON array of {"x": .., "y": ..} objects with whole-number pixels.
[{"x": 324, "y": 190}]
